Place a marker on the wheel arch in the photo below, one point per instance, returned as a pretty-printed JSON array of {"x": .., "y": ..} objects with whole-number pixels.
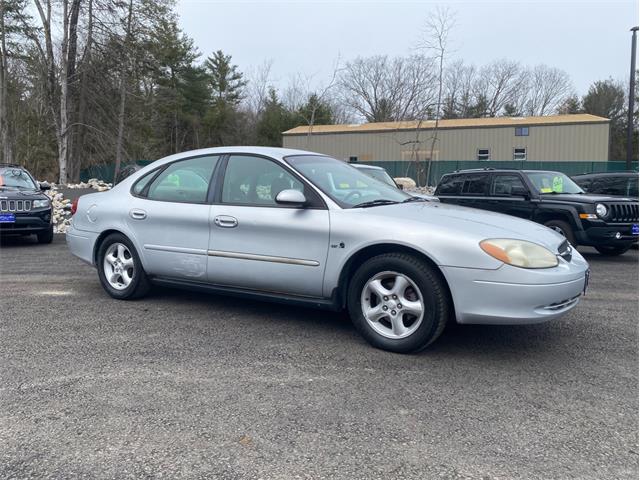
[
  {"x": 567, "y": 215},
  {"x": 370, "y": 251},
  {"x": 104, "y": 234}
]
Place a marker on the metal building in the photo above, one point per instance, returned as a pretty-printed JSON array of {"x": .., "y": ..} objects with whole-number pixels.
[{"x": 580, "y": 137}]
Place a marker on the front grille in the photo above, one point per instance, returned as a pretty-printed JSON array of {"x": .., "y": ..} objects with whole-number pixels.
[
  {"x": 569, "y": 302},
  {"x": 15, "y": 205},
  {"x": 623, "y": 212}
]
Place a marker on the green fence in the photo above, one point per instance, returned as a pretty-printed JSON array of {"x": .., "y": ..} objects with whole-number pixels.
[
  {"x": 414, "y": 169},
  {"x": 104, "y": 172}
]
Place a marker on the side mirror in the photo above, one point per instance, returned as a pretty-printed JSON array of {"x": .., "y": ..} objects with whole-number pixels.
[
  {"x": 519, "y": 192},
  {"x": 45, "y": 186},
  {"x": 291, "y": 197}
]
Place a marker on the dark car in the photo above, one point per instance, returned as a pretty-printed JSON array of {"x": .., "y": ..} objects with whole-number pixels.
[
  {"x": 620, "y": 184},
  {"x": 24, "y": 209},
  {"x": 610, "y": 224}
]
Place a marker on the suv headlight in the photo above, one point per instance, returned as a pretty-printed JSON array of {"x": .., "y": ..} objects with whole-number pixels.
[
  {"x": 41, "y": 203},
  {"x": 601, "y": 210},
  {"x": 519, "y": 253}
]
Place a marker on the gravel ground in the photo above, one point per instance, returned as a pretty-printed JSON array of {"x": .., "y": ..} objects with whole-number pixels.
[{"x": 185, "y": 385}]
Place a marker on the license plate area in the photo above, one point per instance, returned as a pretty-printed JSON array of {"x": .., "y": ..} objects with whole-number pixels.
[
  {"x": 7, "y": 218},
  {"x": 635, "y": 229}
]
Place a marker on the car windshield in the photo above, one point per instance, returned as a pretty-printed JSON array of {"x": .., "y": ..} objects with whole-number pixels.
[
  {"x": 381, "y": 175},
  {"x": 11, "y": 177},
  {"x": 344, "y": 184},
  {"x": 553, "y": 182}
]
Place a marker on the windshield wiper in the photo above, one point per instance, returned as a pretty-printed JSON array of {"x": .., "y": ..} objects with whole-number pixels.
[
  {"x": 375, "y": 203},
  {"x": 415, "y": 199}
]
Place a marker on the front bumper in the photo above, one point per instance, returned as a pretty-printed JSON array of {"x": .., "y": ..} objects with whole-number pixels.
[
  {"x": 27, "y": 223},
  {"x": 610, "y": 235},
  {"x": 511, "y": 295}
]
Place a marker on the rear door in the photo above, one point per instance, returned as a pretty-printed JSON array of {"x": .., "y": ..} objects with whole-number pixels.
[
  {"x": 169, "y": 216},
  {"x": 256, "y": 243},
  {"x": 506, "y": 196},
  {"x": 475, "y": 190}
]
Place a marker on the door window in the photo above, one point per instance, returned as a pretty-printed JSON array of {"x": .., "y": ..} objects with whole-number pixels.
[
  {"x": 503, "y": 185},
  {"x": 476, "y": 184},
  {"x": 256, "y": 181},
  {"x": 184, "y": 181}
]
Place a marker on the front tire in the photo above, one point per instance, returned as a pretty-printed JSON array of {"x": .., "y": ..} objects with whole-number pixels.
[
  {"x": 398, "y": 302},
  {"x": 120, "y": 269},
  {"x": 45, "y": 236},
  {"x": 612, "y": 251},
  {"x": 564, "y": 229}
]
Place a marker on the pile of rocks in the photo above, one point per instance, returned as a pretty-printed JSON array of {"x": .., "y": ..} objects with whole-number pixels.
[
  {"x": 62, "y": 206},
  {"x": 94, "y": 183}
]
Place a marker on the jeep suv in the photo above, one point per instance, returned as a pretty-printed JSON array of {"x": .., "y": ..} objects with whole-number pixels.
[
  {"x": 24, "y": 208},
  {"x": 610, "y": 224}
]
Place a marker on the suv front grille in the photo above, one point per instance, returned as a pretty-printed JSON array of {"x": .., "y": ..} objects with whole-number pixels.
[
  {"x": 15, "y": 205},
  {"x": 623, "y": 212}
]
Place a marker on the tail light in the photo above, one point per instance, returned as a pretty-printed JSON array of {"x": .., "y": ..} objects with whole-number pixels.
[{"x": 74, "y": 206}]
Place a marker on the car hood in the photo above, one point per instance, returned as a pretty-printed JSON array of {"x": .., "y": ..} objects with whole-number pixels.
[
  {"x": 467, "y": 222},
  {"x": 584, "y": 198},
  {"x": 7, "y": 193}
]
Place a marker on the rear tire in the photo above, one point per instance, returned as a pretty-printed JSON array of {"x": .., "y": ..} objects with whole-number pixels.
[
  {"x": 46, "y": 236},
  {"x": 564, "y": 229},
  {"x": 612, "y": 251},
  {"x": 120, "y": 269},
  {"x": 398, "y": 302}
]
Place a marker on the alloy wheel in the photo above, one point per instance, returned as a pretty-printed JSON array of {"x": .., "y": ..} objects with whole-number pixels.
[
  {"x": 392, "y": 304},
  {"x": 118, "y": 266}
]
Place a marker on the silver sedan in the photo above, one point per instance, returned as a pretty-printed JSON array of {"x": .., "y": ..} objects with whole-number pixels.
[{"x": 303, "y": 228}]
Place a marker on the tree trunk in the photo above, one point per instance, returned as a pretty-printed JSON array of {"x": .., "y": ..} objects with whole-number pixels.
[
  {"x": 79, "y": 147},
  {"x": 123, "y": 97},
  {"x": 5, "y": 134},
  {"x": 72, "y": 168}
]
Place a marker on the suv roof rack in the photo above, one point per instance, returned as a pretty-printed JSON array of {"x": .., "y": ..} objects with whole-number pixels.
[
  {"x": 485, "y": 169},
  {"x": 600, "y": 173}
]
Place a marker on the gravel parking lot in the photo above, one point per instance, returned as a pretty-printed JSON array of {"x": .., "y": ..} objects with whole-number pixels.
[{"x": 186, "y": 385}]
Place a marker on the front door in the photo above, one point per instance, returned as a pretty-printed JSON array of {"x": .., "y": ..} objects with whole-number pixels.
[
  {"x": 507, "y": 195},
  {"x": 169, "y": 216},
  {"x": 256, "y": 243}
]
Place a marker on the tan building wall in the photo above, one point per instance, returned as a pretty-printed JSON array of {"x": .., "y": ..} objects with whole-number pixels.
[{"x": 563, "y": 142}]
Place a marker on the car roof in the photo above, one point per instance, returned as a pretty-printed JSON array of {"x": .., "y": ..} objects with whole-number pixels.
[
  {"x": 607, "y": 174},
  {"x": 274, "y": 152}
]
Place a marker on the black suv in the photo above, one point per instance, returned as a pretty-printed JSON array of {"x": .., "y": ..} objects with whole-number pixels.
[
  {"x": 610, "y": 224},
  {"x": 24, "y": 209},
  {"x": 623, "y": 184}
]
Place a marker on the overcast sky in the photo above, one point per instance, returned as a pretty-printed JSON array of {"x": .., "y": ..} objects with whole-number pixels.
[{"x": 587, "y": 38}]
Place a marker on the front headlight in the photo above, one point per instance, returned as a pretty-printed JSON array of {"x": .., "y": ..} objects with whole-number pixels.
[
  {"x": 519, "y": 253},
  {"x": 40, "y": 203},
  {"x": 601, "y": 210}
]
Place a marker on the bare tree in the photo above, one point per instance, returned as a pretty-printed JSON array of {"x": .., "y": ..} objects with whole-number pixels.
[
  {"x": 383, "y": 89},
  {"x": 499, "y": 83},
  {"x": 438, "y": 27},
  {"x": 548, "y": 89}
]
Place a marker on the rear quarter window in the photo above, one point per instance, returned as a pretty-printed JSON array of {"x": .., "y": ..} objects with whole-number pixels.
[{"x": 450, "y": 185}]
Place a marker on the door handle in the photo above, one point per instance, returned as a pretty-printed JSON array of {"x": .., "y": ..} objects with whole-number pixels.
[
  {"x": 137, "y": 214},
  {"x": 225, "y": 221}
]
